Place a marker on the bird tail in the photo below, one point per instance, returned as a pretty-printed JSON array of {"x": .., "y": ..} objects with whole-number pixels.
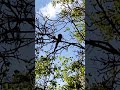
[{"x": 56, "y": 46}]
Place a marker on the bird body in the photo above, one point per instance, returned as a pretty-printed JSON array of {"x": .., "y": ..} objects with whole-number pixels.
[{"x": 58, "y": 40}]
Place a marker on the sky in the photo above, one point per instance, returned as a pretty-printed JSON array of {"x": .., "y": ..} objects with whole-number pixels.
[
  {"x": 40, "y": 4},
  {"x": 47, "y": 9},
  {"x": 50, "y": 11},
  {"x": 45, "y": 6}
]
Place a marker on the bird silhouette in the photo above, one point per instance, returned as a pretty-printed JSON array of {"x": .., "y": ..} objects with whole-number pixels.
[{"x": 57, "y": 41}]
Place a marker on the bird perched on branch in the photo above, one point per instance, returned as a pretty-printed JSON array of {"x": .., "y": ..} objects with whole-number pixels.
[{"x": 58, "y": 40}]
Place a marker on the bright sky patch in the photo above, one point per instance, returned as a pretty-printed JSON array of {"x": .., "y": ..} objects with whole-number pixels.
[{"x": 51, "y": 11}]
